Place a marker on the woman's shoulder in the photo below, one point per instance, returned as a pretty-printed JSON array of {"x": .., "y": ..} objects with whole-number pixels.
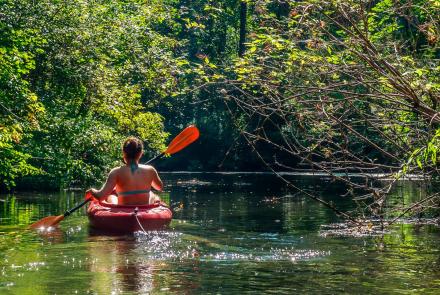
[
  {"x": 116, "y": 169},
  {"x": 147, "y": 167}
]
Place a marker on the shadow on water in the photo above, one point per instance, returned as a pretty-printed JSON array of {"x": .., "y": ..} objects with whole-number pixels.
[{"x": 230, "y": 234}]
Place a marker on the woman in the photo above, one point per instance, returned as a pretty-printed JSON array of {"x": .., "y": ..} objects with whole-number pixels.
[{"x": 131, "y": 182}]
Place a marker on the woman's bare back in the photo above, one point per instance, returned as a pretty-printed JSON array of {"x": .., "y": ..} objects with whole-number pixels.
[{"x": 126, "y": 181}]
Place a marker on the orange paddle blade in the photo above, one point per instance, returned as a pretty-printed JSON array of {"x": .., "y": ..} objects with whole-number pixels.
[
  {"x": 185, "y": 138},
  {"x": 47, "y": 222}
]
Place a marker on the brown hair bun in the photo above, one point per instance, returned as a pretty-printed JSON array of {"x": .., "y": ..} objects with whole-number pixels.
[{"x": 132, "y": 147}]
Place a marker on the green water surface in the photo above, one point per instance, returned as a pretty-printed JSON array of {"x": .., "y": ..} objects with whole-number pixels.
[{"x": 231, "y": 234}]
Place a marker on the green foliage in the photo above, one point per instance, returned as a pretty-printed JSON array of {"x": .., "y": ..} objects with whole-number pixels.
[
  {"x": 425, "y": 156},
  {"x": 76, "y": 77},
  {"x": 84, "y": 75},
  {"x": 330, "y": 73},
  {"x": 13, "y": 163},
  {"x": 19, "y": 105}
]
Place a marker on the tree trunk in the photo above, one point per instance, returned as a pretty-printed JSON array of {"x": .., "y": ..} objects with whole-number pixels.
[{"x": 243, "y": 13}]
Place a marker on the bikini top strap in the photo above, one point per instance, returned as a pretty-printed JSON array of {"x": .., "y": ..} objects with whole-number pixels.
[{"x": 135, "y": 192}]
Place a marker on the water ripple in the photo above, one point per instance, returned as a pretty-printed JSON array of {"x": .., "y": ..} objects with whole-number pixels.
[{"x": 292, "y": 255}]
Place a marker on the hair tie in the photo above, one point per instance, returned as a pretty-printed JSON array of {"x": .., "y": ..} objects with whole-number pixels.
[{"x": 133, "y": 167}]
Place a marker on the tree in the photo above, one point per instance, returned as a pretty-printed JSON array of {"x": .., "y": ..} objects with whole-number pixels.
[
  {"x": 19, "y": 105},
  {"x": 243, "y": 19},
  {"x": 99, "y": 70},
  {"x": 340, "y": 88}
]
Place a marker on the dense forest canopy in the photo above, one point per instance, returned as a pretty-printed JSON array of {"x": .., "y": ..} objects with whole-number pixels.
[{"x": 332, "y": 86}]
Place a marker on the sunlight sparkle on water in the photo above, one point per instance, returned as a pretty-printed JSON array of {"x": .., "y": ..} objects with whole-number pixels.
[
  {"x": 162, "y": 245},
  {"x": 272, "y": 255},
  {"x": 44, "y": 229},
  {"x": 172, "y": 245}
]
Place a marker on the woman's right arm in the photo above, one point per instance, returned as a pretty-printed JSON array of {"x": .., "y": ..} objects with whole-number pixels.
[{"x": 108, "y": 186}]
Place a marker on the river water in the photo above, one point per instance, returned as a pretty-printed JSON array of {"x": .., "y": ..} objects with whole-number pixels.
[{"x": 231, "y": 234}]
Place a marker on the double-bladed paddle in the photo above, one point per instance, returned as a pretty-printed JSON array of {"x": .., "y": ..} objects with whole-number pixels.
[{"x": 185, "y": 138}]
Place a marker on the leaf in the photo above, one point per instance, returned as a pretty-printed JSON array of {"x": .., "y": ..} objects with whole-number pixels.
[{"x": 419, "y": 163}]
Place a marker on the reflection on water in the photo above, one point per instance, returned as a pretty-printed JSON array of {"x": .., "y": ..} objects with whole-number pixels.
[{"x": 230, "y": 234}]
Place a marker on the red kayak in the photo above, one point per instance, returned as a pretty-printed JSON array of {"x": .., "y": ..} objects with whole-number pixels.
[{"x": 128, "y": 218}]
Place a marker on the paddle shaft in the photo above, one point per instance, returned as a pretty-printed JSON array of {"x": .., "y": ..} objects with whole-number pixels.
[
  {"x": 155, "y": 158},
  {"x": 68, "y": 212}
]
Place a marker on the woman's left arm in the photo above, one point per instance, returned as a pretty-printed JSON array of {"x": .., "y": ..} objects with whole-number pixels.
[{"x": 156, "y": 182}]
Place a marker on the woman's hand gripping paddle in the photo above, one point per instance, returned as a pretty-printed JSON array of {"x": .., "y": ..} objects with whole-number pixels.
[{"x": 185, "y": 138}]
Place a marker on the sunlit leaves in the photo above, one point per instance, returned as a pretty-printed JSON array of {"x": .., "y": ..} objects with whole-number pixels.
[
  {"x": 425, "y": 157},
  {"x": 96, "y": 70},
  {"x": 20, "y": 108},
  {"x": 347, "y": 78}
]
